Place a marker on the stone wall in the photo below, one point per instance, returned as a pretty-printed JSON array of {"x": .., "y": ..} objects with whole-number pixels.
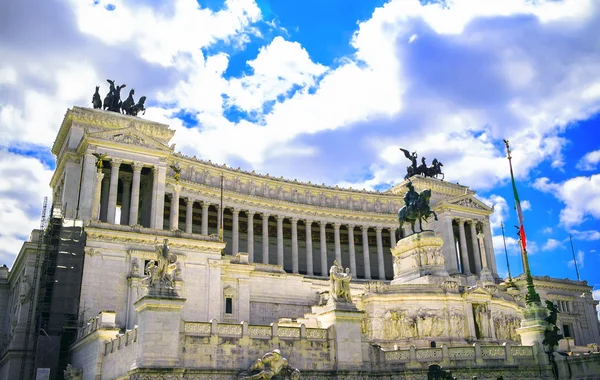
[
  {"x": 236, "y": 346},
  {"x": 120, "y": 354}
]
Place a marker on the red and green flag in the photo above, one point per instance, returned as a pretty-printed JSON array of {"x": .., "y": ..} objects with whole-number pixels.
[{"x": 517, "y": 202}]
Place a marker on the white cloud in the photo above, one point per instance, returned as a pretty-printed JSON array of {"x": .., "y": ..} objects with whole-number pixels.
[
  {"x": 552, "y": 244},
  {"x": 589, "y": 161},
  {"x": 547, "y": 230},
  {"x": 525, "y": 205},
  {"x": 21, "y": 193},
  {"x": 581, "y": 196},
  {"x": 588, "y": 235},
  {"x": 580, "y": 260}
]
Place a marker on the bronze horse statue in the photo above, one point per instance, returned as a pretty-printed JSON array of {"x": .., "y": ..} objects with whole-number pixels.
[
  {"x": 96, "y": 101},
  {"x": 420, "y": 211},
  {"x": 128, "y": 103}
]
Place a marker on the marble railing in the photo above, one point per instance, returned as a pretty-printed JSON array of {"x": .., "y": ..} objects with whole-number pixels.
[
  {"x": 477, "y": 353},
  {"x": 121, "y": 341},
  {"x": 254, "y": 331}
]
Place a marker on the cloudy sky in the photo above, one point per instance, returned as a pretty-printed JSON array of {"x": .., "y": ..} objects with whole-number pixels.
[{"x": 327, "y": 91}]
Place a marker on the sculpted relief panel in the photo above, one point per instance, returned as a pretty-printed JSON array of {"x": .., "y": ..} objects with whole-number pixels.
[
  {"x": 506, "y": 326},
  {"x": 420, "y": 323}
]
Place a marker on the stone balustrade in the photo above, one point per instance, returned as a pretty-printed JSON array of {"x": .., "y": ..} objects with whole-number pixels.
[
  {"x": 121, "y": 341},
  {"x": 477, "y": 355},
  {"x": 214, "y": 328}
]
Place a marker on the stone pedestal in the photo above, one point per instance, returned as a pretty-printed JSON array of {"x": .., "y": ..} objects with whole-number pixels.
[
  {"x": 533, "y": 325},
  {"x": 159, "y": 324},
  {"x": 345, "y": 319},
  {"x": 418, "y": 258}
]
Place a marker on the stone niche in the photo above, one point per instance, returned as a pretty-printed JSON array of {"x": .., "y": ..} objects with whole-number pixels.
[{"x": 418, "y": 259}]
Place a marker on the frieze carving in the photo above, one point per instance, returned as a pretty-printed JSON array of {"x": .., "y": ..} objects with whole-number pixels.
[
  {"x": 506, "y": 326},
  {"x": 421, "y": 323},
  {"x": 468, "y": 202}
]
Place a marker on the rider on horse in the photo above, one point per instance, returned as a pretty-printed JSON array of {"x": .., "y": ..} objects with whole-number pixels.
[{"x": 411, "y": 197}]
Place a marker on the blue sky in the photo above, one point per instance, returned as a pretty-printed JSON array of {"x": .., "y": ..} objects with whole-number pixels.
[{"x": 327, "y": 91}]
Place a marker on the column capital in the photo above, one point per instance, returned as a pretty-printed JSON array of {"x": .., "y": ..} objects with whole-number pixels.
[
  {"x": 461, "y": 221},
  {"x": 365, "y": 228},
  {"x": 116, "y": 162},
  {"x": 235, "y": 210},
  {"x": 322, "y": 223},
  {"x": 308, "y": 222},
  {"x": 378, "y": 229},
  {"x": 280, "y": 217},
  {"x": 177, "y": 188},
  {"x": 351, "y": 226},
  {"x": 250, "y": 212},
  {"x": 137, "y": 166},
  {"x": 393, "y": 228},
  {"x": 337, "y": 225},
  {"x": 205, "y": 204},
  {"x": 294, "y": 220},
  {"x": 265, "y": 215},
  {"x": 189, "y": 199}
]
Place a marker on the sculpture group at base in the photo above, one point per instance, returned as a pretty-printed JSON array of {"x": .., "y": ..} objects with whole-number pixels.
[
  {"x": 339, "y": 287},
  {"x": 112, "y": 100},
  {"x": 416, "y": 207},
  {"x": 270, "y": 365}
]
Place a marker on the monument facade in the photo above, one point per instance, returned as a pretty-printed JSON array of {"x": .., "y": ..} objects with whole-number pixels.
[{"x": 313, "y": 280}]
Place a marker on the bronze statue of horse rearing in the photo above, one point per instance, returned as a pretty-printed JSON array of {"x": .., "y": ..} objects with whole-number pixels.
[{"x": 420, "y": 211}]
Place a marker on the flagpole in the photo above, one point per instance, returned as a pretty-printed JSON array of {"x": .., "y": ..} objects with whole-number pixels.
[
  {"x": 574, "y": 258},
  {"x": 506, "y": 253},
  {"x": 532, "y": 296}
]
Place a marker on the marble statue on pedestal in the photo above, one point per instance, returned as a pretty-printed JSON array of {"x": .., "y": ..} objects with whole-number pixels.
[
  {"x": 160, "y": 271},
  {"x": 339, "y": 280}
]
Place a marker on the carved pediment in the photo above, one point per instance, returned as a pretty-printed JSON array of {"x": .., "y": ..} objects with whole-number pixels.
[
  {"x": 129, "y": 136},
  {"x": 469, "y": 201}
]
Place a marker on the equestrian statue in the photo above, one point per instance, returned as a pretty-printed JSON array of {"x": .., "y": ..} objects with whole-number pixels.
[
  {"x": 416, "y": 207},
  {"x": 433, "y": 171}
]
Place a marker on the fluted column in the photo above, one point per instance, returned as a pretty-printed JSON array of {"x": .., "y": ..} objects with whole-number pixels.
[
  {"x": 380, "y": 263},
  {"x": 174, "y": 225},
  {"x": 393, "y": 231},
  {"x": 322, "y": 225},
  {"x": 112, "y": 193},
  {"x": 295, "y": 245},
  {"x": 104, "y": 198},
  {"x": 280, "y": 240},
  {"x": 135, "y": 193},
  {"x": 205, "y": 206},
  {"x": 97, "y": 191},
  {"x": 464, "y": 253},
  {"x": 250, "y": 239},
  {"x": 352, "y": 250},
  {"x": 235, "y": 232},
  {"x": 158, "y": 196},
  {"x": 189, "y": 214},
  {"x": 309, "y": 248},
  {"x": 125, "y": 204},
  {"x": 366, "y": 258},
  {"x": 449, "y": 244},
  {"x": 265, "y": 239},
  {"x": 154, "y": 200},
  {"x": 475, "y": 245},
  {"x": 338, "y": 247},
  {"x": 489, "y": 247}
]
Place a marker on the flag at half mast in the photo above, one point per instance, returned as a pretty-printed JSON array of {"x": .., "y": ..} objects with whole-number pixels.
[{"x": 517, "y": 202}]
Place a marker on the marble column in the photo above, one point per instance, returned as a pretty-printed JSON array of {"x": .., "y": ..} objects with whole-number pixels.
[
  {"x": 309, "y": 248},
  {"x": 480, "y": 241},
  {"x": 295, "y": 245},
  {"x": 449, "y": 244},
  {"x": 135, "y": 193},
  {"x": 125, "y": 204},
  {"x": 367, "y": 259},
  {"x": 112, "y": 193},
  {"x": 250, "y": 239},
  {"x": 475, "y": 245},
  {"x": 158, "y": 196},
  {"x": 352, "y": 250},
  {"x": 393, "y": 240},
  {"x": 380, "y": 263},
  {"x": 235, "y": 232},
  {"x": 489, "y": 247},
  {"x": 338, "y": 247},
  {"x": 97, "y": 191},
  {"x": 189, "y": 214},
  {"x": 324, "y": 268},
  {"x": 174, "y": 225},
  {"x": 104, "y": 197},
  {"x": 205, "y": 206},
  {"x": 464, "y": 253},
  {"x": 280, "y": 240},
  {"x": 153, "y": 203},
  {"x": 265, "y": 237}
]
